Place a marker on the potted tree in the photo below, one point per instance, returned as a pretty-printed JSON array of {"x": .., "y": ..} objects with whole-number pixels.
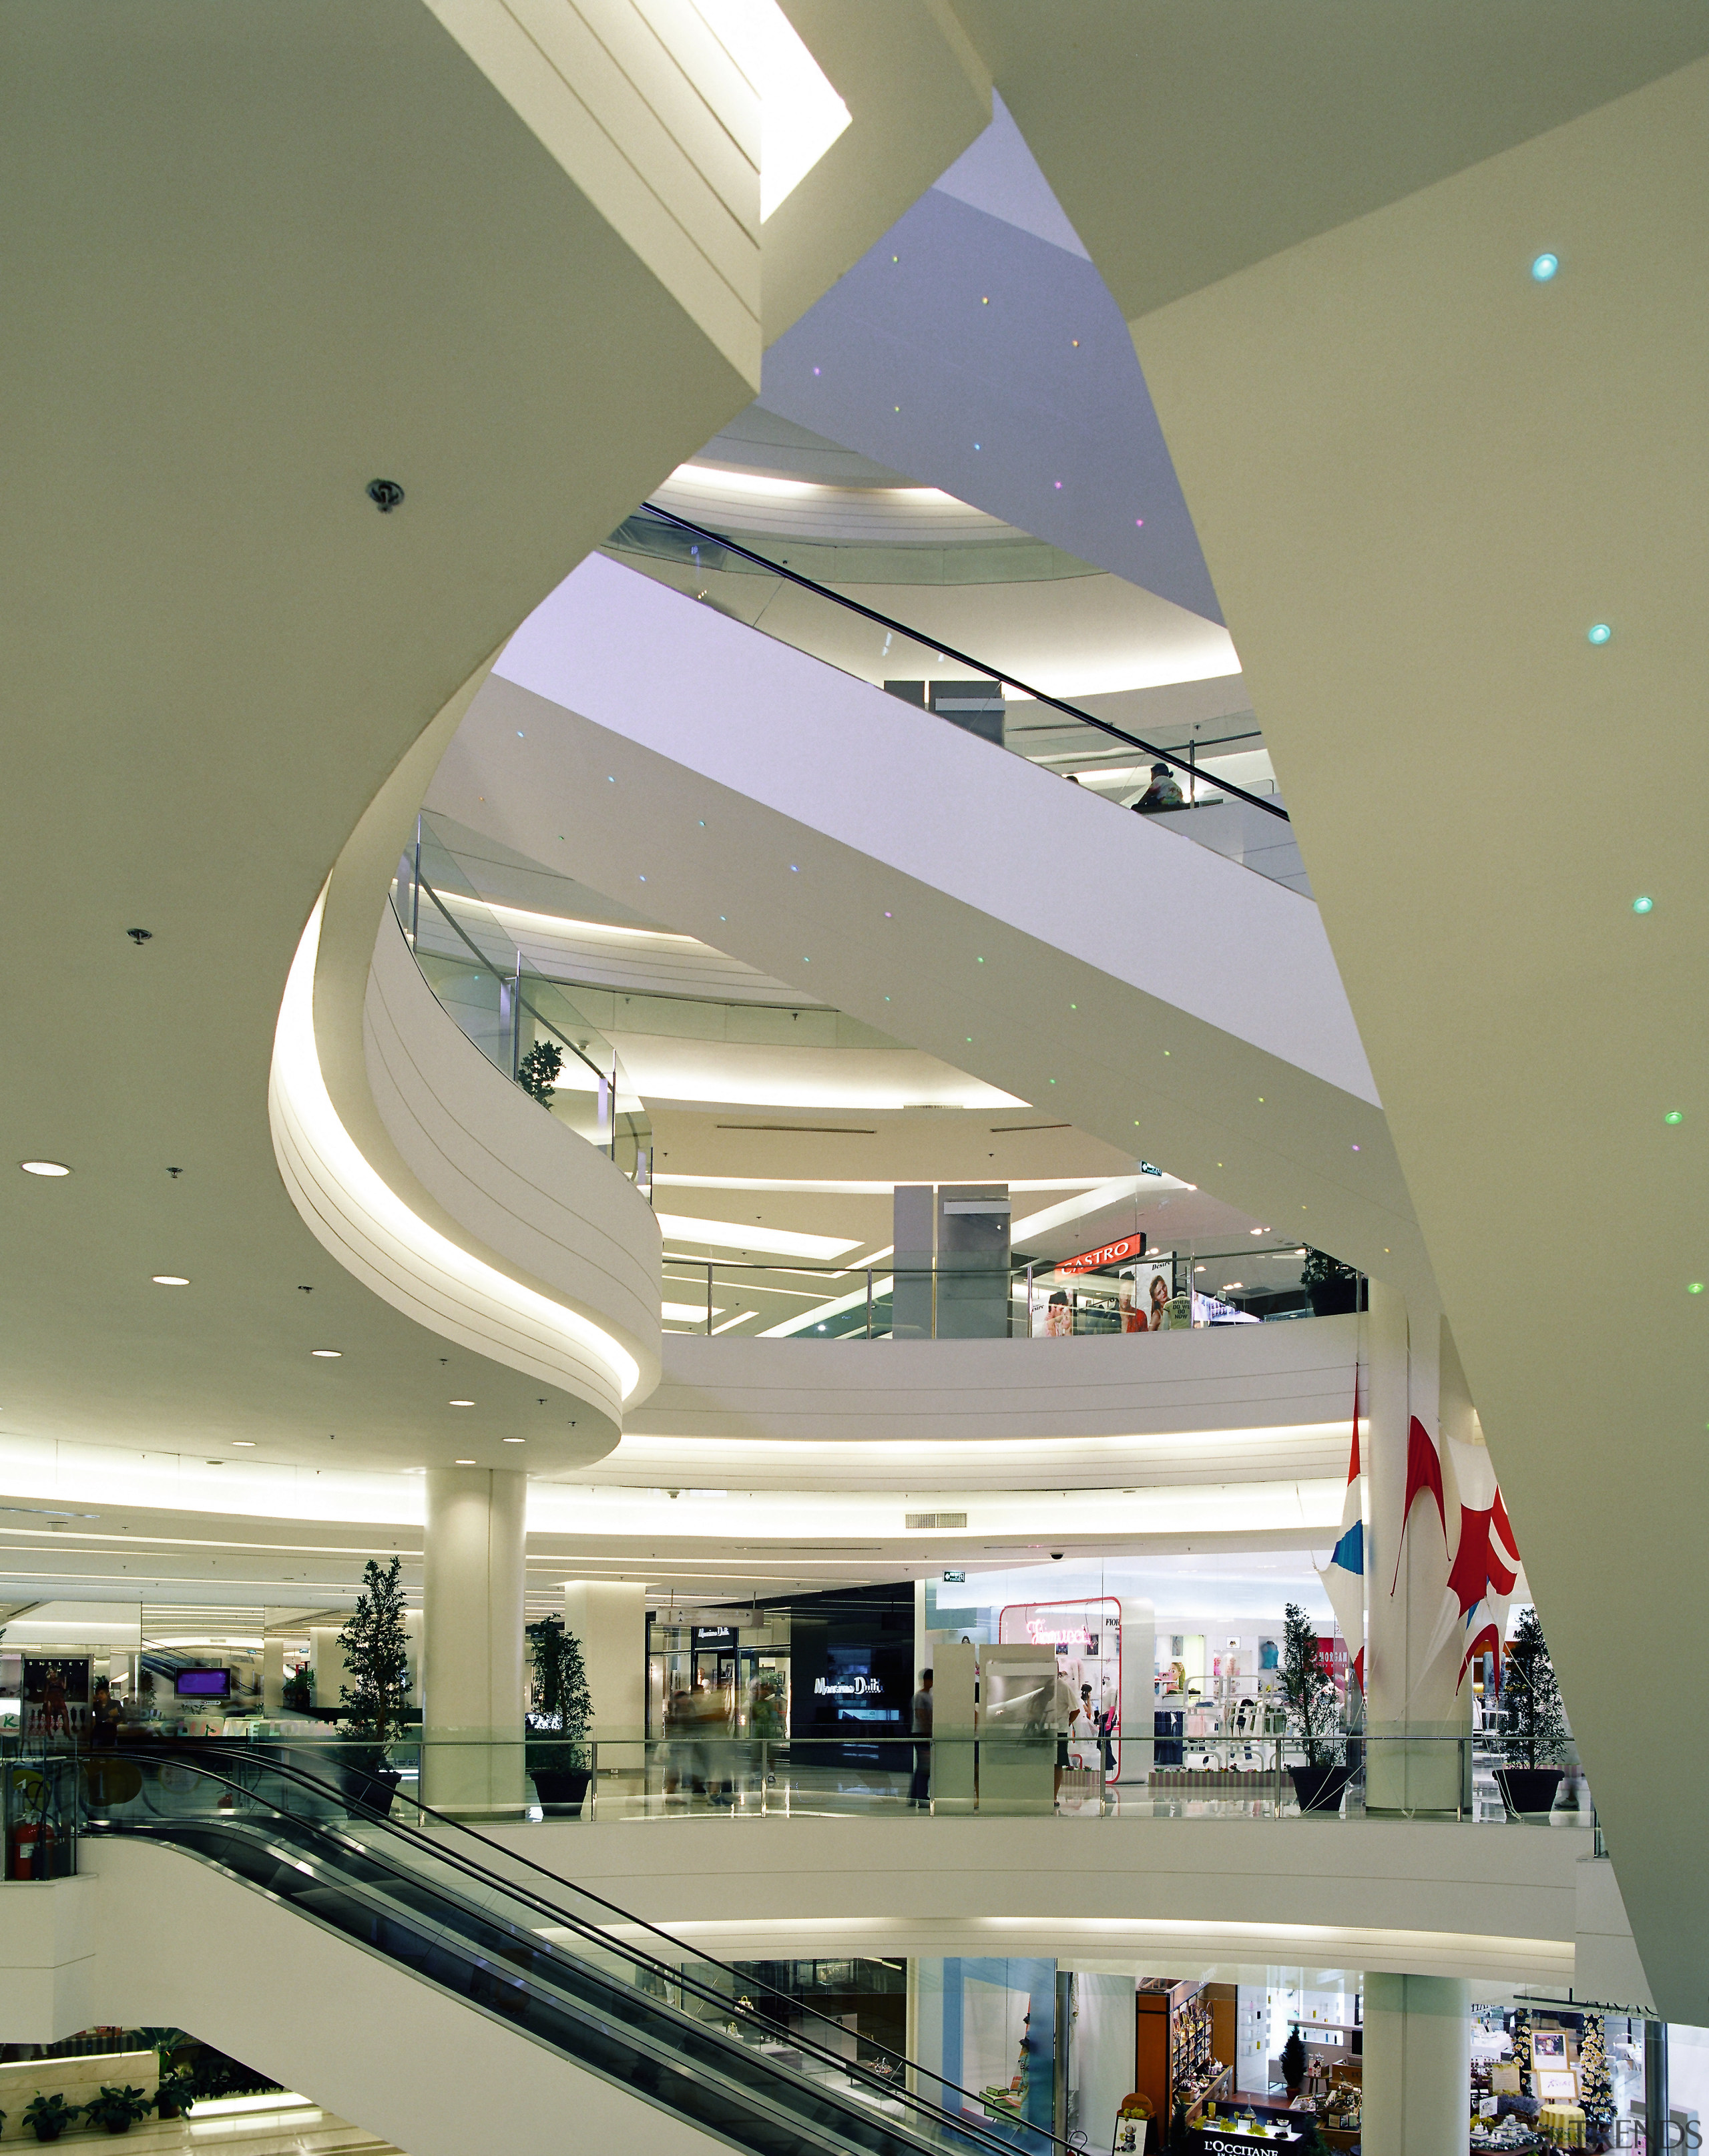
[
  {"x": 537, "y": 1071},
  {"x": 1313, "y": 1716},
  {"x": 559, "y": 1709},
  {"x": 1293, "y": 2062},
  {"x": 117, "y": 2109},
  {"x": 47, "y": 2116},
  {"x": 375, "y": 1650},
  {"x": 1331, "y": 1286},
  {"x": 1533, "y": 1723}
]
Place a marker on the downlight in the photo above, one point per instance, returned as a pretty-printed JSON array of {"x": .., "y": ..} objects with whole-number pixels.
[
  {"x": 44, "y": 1167},
  {"x": 1545, "y": 267}
]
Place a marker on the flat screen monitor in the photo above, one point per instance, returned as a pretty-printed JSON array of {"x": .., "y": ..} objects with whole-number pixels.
[{"x": 202, "y": 1684}]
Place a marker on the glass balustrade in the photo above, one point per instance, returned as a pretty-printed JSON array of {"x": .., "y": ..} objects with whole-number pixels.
[
  {"x": 1182, "y": 1291},
  {"x": 1217, "y": 786},
  {"x": 1199, "y": 1766},
  {"x": 534, "y": 1028}
]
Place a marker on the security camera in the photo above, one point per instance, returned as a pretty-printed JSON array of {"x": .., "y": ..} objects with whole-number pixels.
[{"x": 1057, "y": 1554}]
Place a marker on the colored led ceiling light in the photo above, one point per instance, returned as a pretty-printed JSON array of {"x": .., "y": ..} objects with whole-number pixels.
[
  {"x": 1643, "y": 906},
  {"x": 1545, "y": 267},
  {"x": 1599, "y": 633}
]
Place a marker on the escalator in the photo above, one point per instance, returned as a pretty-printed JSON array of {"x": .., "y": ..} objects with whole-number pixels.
[{"x": 562, "y": 1968}]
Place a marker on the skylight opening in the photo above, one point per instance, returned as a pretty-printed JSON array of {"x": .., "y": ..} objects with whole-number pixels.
[{"x": 801, "y": 115}]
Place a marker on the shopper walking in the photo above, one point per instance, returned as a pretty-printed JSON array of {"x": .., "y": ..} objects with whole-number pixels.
[{"x": 920, "y": 1783}]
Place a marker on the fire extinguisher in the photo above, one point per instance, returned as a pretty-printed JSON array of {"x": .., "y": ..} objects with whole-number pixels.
[{"x": 32, "y": 1850}]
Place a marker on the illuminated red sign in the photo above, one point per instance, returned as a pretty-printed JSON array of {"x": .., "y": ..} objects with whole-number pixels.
[{"x": 1107, "y": 1254}]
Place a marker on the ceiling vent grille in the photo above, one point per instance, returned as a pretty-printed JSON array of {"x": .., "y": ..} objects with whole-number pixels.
[{"x": 935, "y": 1519}]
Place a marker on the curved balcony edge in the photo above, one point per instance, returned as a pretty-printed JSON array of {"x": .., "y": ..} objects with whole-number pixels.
[{"x": 433, "y": 1181}]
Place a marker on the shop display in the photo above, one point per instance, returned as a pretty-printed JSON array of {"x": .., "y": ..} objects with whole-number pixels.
[
  {"x": 1224, "y": 2129},
  {"x": 1133, "y": 2122},
  {"x": 1105, "y": 1646},
  {"x": 1184, "y": 2047}
]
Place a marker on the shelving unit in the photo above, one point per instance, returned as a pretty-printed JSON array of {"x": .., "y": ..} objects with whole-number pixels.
[{"x": 1184, "y": 2046}]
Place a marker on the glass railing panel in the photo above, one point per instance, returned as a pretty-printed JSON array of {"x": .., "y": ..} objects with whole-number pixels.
[
  {"x": 529, "y": 1026},
  {"x": 1179, "y": 1291},
  {"x": 1217, "y": 787}
]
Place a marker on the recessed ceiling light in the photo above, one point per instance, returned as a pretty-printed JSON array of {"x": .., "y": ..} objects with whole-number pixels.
[
  {"x": 1599, "y": 633},
  {"x": 463, "y": 1463},
  {"x": 170, "y": 1280},
  {"x": 1255, "y": 1231},
  {"x": 515, "y": 1441},
  {"x": 245, "y": 1443},
  {"x": 1673, "y": 1116},
  {"x": 461, "y": 1403},
  {"x": 1638, "y": 905},
  {"x": 44, "y": 1167},
  {"x": 1544, "y": 267},
  {"x": 327, "y": 1354}
]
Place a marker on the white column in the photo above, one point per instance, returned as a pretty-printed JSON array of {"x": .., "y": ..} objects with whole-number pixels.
[
  {"x": 1408, "y": 1694},
  {"x": 272, "y": 1676},
  {"x": 1417, "y": 2065},
  {"x": 472, "y": 1752},
  {"x": 609, "y": 1619}
]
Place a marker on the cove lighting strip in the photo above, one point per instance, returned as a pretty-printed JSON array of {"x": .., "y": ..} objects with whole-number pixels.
[{"x": 416, "y": 1268}]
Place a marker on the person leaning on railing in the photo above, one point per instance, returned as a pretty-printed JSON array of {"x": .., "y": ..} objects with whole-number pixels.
[{"x": 1164, "y": 792}]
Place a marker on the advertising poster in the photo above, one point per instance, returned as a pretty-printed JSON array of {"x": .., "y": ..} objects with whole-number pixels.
[
  {"x": 1052, "y": 1313},
  {"x": 1144, "y": 1302}
]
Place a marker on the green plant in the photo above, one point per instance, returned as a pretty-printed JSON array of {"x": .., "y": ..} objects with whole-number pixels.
[
  {"x": 376, "y": 1649},
  {"x": 1313, "y": 1709},
  {"x": 176, "y": 2092},
  {"x": 1293, "y": 2060},
  {"x": 47, "y": 2117},
  {"x": 117, "y": 2109},
  {"x": 299, "y": 1692},
  {"x": 1533, "y": 1712},
  {"x": 536, "y": 1073},
  {"x": 558, "y": 1697},
  {"x": 1320, "y": 1269}
]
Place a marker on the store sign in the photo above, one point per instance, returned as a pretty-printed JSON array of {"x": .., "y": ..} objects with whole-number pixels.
[
  {"x": 1107, "y": 1254},
  {"x": 848, "y": 1687},
  {"x": 955, "y": 1578},
  {"x": 713, "y": 1636},
  {"x": 1063, "y": 1636}
]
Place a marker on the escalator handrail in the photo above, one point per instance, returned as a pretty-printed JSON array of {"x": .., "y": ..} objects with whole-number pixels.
[
  {"x": 937, "y": 643},
  {"x": 973, "y": 2129}
]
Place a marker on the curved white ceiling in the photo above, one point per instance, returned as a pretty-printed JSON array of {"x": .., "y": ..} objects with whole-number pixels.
[{"x": 751, "y": 501}]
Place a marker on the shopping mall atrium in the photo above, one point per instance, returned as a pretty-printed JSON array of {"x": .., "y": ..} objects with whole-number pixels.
[{"x": 739, "y": 731}]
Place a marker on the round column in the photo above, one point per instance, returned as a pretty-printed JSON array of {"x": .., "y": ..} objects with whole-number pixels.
[
  {"x": 1417, "y": 2066},
  {"x": 475, "y": 1681}
]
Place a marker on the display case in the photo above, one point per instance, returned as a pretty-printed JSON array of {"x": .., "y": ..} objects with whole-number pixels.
[{"x": 1184, "y": 2048}]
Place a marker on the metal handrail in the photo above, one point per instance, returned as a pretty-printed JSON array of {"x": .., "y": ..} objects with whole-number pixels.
[
  {"x": 993, "y": 673},
  {"x": 505, "y": 980}
]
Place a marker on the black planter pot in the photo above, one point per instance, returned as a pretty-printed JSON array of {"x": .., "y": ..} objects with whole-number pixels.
[
  {"x": 46, "y": 2130},
  {"x": 557, "y": 1786},
  {"x": 1528, "y": 1791},
  {"x": 1320, "y": 1789},
  {"x": 1332, "y": 1298},
  {"x": 119, "y": 2125}
]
